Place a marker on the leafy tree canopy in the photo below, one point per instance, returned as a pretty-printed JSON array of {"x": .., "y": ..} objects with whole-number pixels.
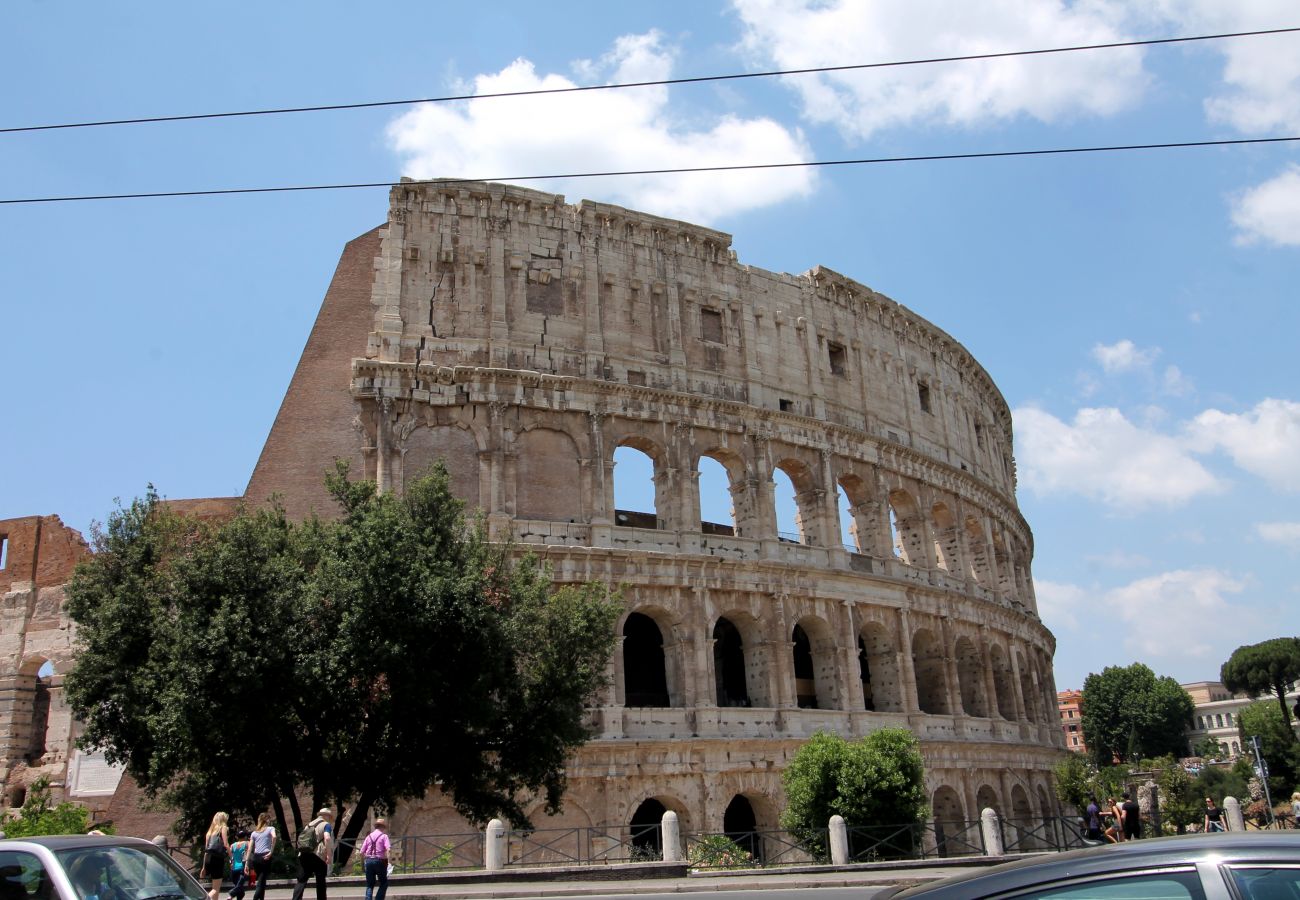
[
  {"x": 235, "y": 664},
  {"x": 40, "y": 816},
  {"x": 876, "y": 781},
  {"x": 1277, "y": 746},
  {"x": 1265, "y": 668},
  {"x": 1075, "y": 780},
  {"x": 1129, "y": 714}
]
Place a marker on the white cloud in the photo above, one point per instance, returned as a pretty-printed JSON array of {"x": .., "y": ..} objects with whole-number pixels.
[
  {"x": 602, "y": 131},
  {"x": 1264, "y": 441},
  {"x": 1119, "y": 559},
  {"x": 1104, "y": 456},
  {"x": 1179, "y": 614},
  {"x": 1285, "y": 533},
  {"x": 1123, "y": 356},
  {"x": 1058, "y": 602},
  {"x": 806, "y": 33},
  {"x": 1270, "y": 212},
  {"x": 1176, "y": 383}
]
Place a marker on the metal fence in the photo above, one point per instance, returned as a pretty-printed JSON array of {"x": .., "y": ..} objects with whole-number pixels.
[
  {"x": 1037, "y": 835},
  {"x": 921, "y": 840},
  {"x": 583, "y": 846},
  {"x": 753, "y": 849}
]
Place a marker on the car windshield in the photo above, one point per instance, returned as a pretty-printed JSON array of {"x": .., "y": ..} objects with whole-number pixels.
[{"x": 127, "y": 872}]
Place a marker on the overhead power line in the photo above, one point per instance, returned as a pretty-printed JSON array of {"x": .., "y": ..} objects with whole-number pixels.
[
  {"x": 932, "y": 157},
  {"x": 634, "y": 84}
]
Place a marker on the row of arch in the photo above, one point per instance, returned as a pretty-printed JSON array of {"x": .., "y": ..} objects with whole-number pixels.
[
  {"x": 690, "y": 480},
  {"x": 920, "y": 668}
]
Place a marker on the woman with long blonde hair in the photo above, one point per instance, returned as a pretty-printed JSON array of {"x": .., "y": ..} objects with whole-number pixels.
[{"x": 216, "y": 848}]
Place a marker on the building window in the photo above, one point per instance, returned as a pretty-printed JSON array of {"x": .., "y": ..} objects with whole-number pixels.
[
  {"x": 1228, "y": 718},
  {"x": 4, "y": 550},
  {"x": 1074, "y": 742},
  {"x": 923, "y": 394},
  {"x": 786, "y": 405},
  {"x": 838, "y": 360},
  {"x": 979, "y": 435},
  {"x": 711, "y": 325},
  {"x": 1218, "y": 720}
]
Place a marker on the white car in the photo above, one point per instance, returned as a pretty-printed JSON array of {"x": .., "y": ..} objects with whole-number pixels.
[{"x": 91, "y": 867}]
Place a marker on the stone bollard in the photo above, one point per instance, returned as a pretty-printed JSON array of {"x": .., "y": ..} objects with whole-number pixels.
[
  {"x": 672, "y": 837},
  {"x": 1232, "y": 811},
  {"x": 494, "y": 846},
  {"x": 159, "y": 841},
  {"x": 991, "y": 829},
  {"x": 839, "y": 839}
]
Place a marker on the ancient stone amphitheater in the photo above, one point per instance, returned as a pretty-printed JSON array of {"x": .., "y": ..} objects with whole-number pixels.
[{"x": 525, "y": 341}]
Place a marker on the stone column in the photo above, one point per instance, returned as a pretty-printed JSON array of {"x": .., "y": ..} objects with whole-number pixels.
[
  {"x": 1016, "y": 688},
  {"x": 990, "y": 677},
  {"x": 955, "y": 704},
  {"x": 907, "y": 672},
  {"x": 856, "y": 702}
]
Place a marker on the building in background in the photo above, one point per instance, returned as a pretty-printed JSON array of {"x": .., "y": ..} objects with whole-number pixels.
[
  {"x": 1070, "y": 706},
  {"x": 1216, "y": 714}
]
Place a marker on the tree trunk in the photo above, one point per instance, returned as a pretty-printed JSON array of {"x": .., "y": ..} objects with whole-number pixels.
[
  {"x": 348, "y": 840},
  {"x": 280, "y": 820},
  {"x": 1281, "y": 701},
  {"x": 293, "y": 806}
]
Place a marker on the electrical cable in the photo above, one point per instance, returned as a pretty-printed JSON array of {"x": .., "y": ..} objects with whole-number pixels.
[
  {"x": 934, "y": 157},
  {"x": 635, "y": 84}
]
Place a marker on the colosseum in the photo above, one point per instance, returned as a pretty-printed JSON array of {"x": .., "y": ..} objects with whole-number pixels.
[{"x": 530, "y": 343}]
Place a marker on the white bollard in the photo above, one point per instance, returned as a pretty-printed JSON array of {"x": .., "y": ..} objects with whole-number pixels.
[
  {"x": 494, "y": 846},
  {"x": 672, "y": 836},
  {"x": 991, "y": 828},
  {"x": 839, "y": 835},
  {"x": 1232, "y": 808}
]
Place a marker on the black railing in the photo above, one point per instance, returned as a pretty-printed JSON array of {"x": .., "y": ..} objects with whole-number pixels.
[{"x": 751, "y": 849}]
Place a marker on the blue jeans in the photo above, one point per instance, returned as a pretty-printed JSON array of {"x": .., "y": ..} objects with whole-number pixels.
[{"x": 376, "y": 869}]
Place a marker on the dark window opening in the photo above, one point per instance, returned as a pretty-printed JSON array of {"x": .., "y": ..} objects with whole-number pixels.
[
  {"x": 868, "y": 698},
  {"x": 644, "y": 678},
  {"x": 711, "y": 325},
  {"x": 637, "y": 378},
  {"x": 785, "y": 405},
  {"x": 838, "y": 359},
  {"x": 729, "y": 665},
  {"x": 979, "y": 435},
  {"x": 805, "y": 679},
  {"x": 40, "y": 719},
  {"x": 923, "y": 394},
  {"x": 18, "y": 797},
  {"x": 647, "y": 834},
  {"x": 741, "y": 825}
]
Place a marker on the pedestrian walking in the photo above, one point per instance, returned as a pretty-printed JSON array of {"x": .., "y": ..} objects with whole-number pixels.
[
  {"x": 1092, "y": 821},
  {"x": 1213, "y": 817},
  {"x": 1295, "y": 810},
  {"x": 240, "y": 865},
  {"x": 263, "y": 846},
  {"x": 1114, "y": 828},
  {"x": 216, "y": 849},
  {"x": 374, "y": 852},
  {"x": 315, "y": 850},
  {"x": 1132, "y": 818}
]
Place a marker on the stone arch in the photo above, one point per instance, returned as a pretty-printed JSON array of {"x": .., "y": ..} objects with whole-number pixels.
[
  {"x": 1002, "y": 566},
  {"x": 650, "y": 673},
  {"x": 1002, "y": 682},
  {"x": 931, "y": 673},
  {"x": 970, "y": 678},
  {"x": 882, "y": 683},
  {"x": 861, "y": 529},
  {"x": 816, "y": 684},
  {"x": 909, "y": 531},
  {"x": 948, "y": 810},
  {"x": 946, "y": 537},
  {"x": 740, "y": 824},
  {"x": 30, "y": 738},
  {"x": 640, "y": 457},
  {"x": 548, "y": 477},
  {"x": 977, "y": 552},
  {"x": 741, "y": 504},
  {"x": 987, "y": 798},
  {"x": 457, "y": 447},
  {"x": 757, "y": 651},
  {"x": 645, "y": 832},
  {"x": 730, "y": 674},
  {"x": 1044, "y": 806},
  {"x": 1027, "y": 692},
  {"x": 804, "y": 485}
]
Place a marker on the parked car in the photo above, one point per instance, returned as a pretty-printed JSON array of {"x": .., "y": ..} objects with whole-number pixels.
[
  {"x": 1255, "y": 865},
  {"x": 91, "y": 867}
]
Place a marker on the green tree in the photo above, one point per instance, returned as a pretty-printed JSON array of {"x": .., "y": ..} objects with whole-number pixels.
[
  {"x": 1219, "y": 782},
  {"x": 40, "y": 816},
  {"x": 878, "y": 781},
  {"x": 1180, "y": 802},
  {"x": 365, "y": 658},
  {"x": 1075, "y": 780},
  {"x": 1264, "y": 668},
  {"x": 1209, "y": 748},
  {"x": 1277, "y": 746},
  {"x": 1129, "y": 714}
]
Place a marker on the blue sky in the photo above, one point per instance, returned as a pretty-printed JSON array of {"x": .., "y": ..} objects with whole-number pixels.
[{"x": 1138, "y": 310}]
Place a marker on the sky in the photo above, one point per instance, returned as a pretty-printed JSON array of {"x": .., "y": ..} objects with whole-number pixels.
[{"x": 1138, "y": 310}]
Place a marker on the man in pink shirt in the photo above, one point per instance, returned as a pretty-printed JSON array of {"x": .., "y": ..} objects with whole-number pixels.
[{"x": 374, "y": 852}]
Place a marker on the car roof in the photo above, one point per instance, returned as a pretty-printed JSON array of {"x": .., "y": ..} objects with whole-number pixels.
[
  {"x": 72, "y": 841},
  {"x": 1112, "y": 858}
]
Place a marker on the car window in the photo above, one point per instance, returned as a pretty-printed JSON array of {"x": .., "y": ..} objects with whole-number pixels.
[
  {"x": 22, "y": 877},
  {"x": 1138, "y": 886},
  {"x": 134, "y": 872},
  {"x": 1267, "y": 882}
]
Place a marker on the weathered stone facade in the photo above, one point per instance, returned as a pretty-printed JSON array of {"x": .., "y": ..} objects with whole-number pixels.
[{"x": 525, "y": 340}]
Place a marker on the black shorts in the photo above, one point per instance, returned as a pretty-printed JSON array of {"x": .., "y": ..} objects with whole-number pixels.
[{"x": 214, "y": 864}]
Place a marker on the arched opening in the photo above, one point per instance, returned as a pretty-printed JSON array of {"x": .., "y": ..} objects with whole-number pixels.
[
  {"x": 1002, "y": 683},
  {"x": 908, "y": 533},
  {"x": 37, "y": 672},
  {"x": 878, "y": 656},
  {"x": 788, "y": 525},
  {"x": 949, "y": 822},
  {"x": 931, "y": 680},
  {"x": 848, "y": 525},
  {"x": 646, "y": 831},
  {"x": 1044, "y": 807},
  {"x": 729, "y": 664},
  {"x": 1022, "y": 816},
  {"x": 986, "y": 798},
  {"x": 977, "y": 555},
  {"x": 717, "y": 499},
  {"x": 895, "y": 536},
  {"x": 636, "y": 501},
  {"x": 645, "y": 679},
  {"x": 1027, "y": 691},
  {"x": 970, "y": 676},
  {"x": 805, "y": 683},
  {"x": 945, "y": 537},
  {"x": 741, "y": 826}
]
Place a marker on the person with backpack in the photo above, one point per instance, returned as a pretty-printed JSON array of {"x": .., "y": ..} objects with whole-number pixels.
[
  {"x": 216, "y": 849},
  {"x": 315, "y": 847}
]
